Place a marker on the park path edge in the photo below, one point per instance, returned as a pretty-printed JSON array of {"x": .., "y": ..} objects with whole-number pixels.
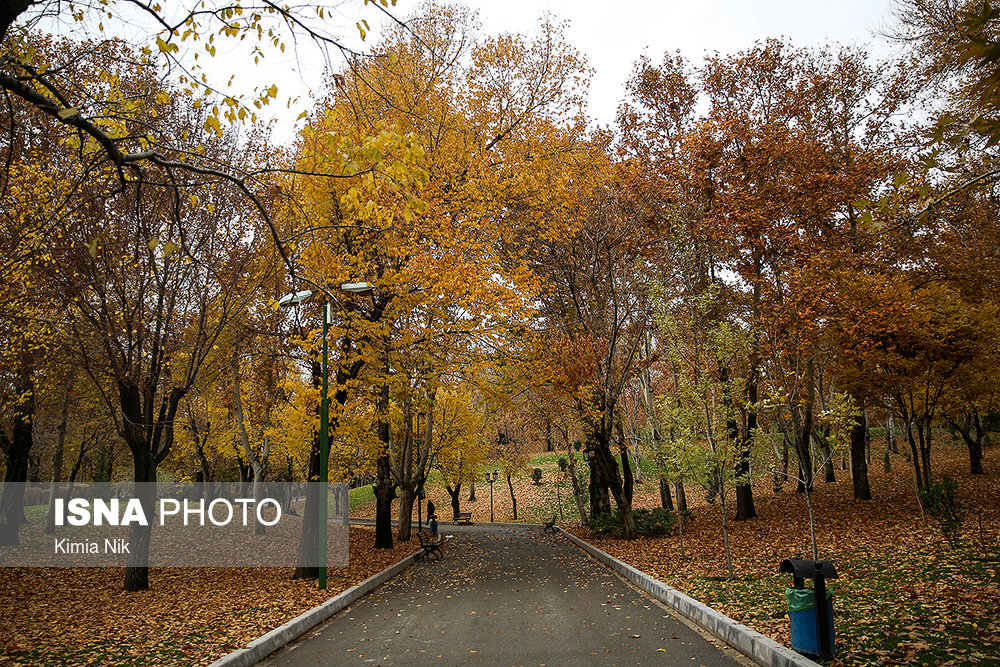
[
  {"x": 762, "y": 650},
  {"x": 266, "y": 644}
]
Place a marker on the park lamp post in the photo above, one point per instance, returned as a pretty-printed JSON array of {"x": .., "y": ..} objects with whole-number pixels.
[
  {"x": 491, "y": 478},
  {"x": 289, "y": 301}
]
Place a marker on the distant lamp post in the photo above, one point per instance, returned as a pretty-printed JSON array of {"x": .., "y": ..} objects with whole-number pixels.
[
  {"x": 290, "y": 301},
  {"x": 491, "y": 478}
]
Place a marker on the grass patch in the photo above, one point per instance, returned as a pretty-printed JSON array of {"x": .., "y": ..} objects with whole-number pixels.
[{"x": 359, "y": 496}]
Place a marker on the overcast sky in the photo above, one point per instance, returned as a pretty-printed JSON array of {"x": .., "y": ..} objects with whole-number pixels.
[{"x": 613, "y": 35}]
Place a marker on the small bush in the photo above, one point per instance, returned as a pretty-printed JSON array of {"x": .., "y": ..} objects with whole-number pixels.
[
  {"x": 606, "y": 523},
  {"x": 940, "y": 502},
  {"x": 657, "y": 521},
  {"x": 563, "y": 463},
  {"x": 536, "y": 475},
  {"x": 649, "y": 522}
]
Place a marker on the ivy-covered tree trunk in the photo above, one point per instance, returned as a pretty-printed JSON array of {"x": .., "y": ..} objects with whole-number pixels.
[
  {"x": 605, "y": 462},
  {"x": 600, "y": 499},
  {"x": 581, "y": 505}
]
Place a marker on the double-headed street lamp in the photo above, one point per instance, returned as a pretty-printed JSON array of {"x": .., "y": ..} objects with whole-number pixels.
[
  {"x": 491, "y": 477},
  {"x": 289, "y": 301}
]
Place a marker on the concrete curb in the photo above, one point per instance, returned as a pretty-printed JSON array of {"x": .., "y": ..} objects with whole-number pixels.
[
  {"x": 267, "y": 644},
  {"x": 762, "y": 650}
]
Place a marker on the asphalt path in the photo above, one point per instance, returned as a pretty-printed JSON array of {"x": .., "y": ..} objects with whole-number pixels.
[{"x": 506, "y": 597}]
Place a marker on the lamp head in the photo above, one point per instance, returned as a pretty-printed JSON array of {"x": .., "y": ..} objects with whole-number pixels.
[
  {"x": 357, "y": 288},
  {"x": 294, "y": 299}
]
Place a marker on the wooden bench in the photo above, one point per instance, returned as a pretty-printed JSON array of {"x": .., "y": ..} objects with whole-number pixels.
[
  {"x": 431, "y": 547},
  {"x": 550, "y": 525},
  {"x": 463, "y": 517}
]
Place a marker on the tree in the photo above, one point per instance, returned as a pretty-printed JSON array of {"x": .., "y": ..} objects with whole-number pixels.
[
  {"x": 163, "y": 285},
  {"x": 179, "y": 40},
  {"x": 439, "y": 166},
  {"x": 458, "y": 442}
]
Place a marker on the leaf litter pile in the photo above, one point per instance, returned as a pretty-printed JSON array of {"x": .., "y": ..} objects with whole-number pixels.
[
  {"x": 904, "y": 596},
  {"x": 190, "y": 616}
]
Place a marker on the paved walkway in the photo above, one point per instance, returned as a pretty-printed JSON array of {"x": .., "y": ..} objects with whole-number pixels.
[{"x": 505, "y": 597}]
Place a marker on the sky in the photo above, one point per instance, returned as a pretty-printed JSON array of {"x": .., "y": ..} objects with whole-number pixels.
[{"x": 613, "y": 35}]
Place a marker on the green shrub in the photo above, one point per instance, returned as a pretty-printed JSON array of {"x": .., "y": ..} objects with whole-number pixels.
[
  {"x": 940, "y": 502},
  {"x": 657, "y": 521},
  {"x": 606, "y": 523},
  {"x": 649, "y": 522},
  {"x": 536, "y": 475}
]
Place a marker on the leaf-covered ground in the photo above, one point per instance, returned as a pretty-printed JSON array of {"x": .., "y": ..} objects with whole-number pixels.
[
  {"x": 903, "y": 596},
  {"x": 190, "y": 616}
]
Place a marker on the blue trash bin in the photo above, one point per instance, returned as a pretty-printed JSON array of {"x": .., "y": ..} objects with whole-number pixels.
[{"x": 802, "y": 619}]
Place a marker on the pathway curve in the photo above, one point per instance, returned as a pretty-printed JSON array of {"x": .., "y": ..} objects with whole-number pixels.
[{"x": 505, "y": 597}]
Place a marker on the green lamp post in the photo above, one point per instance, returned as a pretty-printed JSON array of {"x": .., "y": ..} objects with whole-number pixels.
[{"x": 289, "y": 301}]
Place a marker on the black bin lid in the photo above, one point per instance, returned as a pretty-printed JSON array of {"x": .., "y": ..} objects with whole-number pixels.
[{"x": 806, "y": 569}]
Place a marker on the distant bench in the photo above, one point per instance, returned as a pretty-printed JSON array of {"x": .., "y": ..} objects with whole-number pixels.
[
  {"x": 463, "y": 517},
  {"x": 550, "y": 526}
]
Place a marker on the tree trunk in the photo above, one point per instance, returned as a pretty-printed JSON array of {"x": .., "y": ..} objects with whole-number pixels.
[
  {"x": 682, "y": 503},
  {"x": 600, "y": 499},
  {"x": 15, "y": 450},
  {"x": 628, "y": 484},
  {"x": 513, "y": 500},
  {"x": 455, "y": 508},
  {"x": 666, "y": 502},
  {"x": 915, "y": 453},
  {"x": 859, "y": 464},
  {"x": 407, "y": 497},
  {"x": 76, "y": 467},
  {"x": 137, "y": 567},
  {"x": 745, "y": 508},
  {"x": 309, "y": 537},
  {"x": 258, "y": 460},
  {"x": 973, "y": 433},
  {"x": 581, "y": 506},
  {"x": 385, "y": 492},
  {"x": 804, "y": 441},
  {"x": 824, "y": 447},
  {"x": 57, "y": 465},
  {"x": 925, "y": 453},
  {"x": 605, "y": 460}
]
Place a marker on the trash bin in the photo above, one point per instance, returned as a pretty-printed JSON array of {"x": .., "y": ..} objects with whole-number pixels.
[{"x": 805, "y": 617}]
